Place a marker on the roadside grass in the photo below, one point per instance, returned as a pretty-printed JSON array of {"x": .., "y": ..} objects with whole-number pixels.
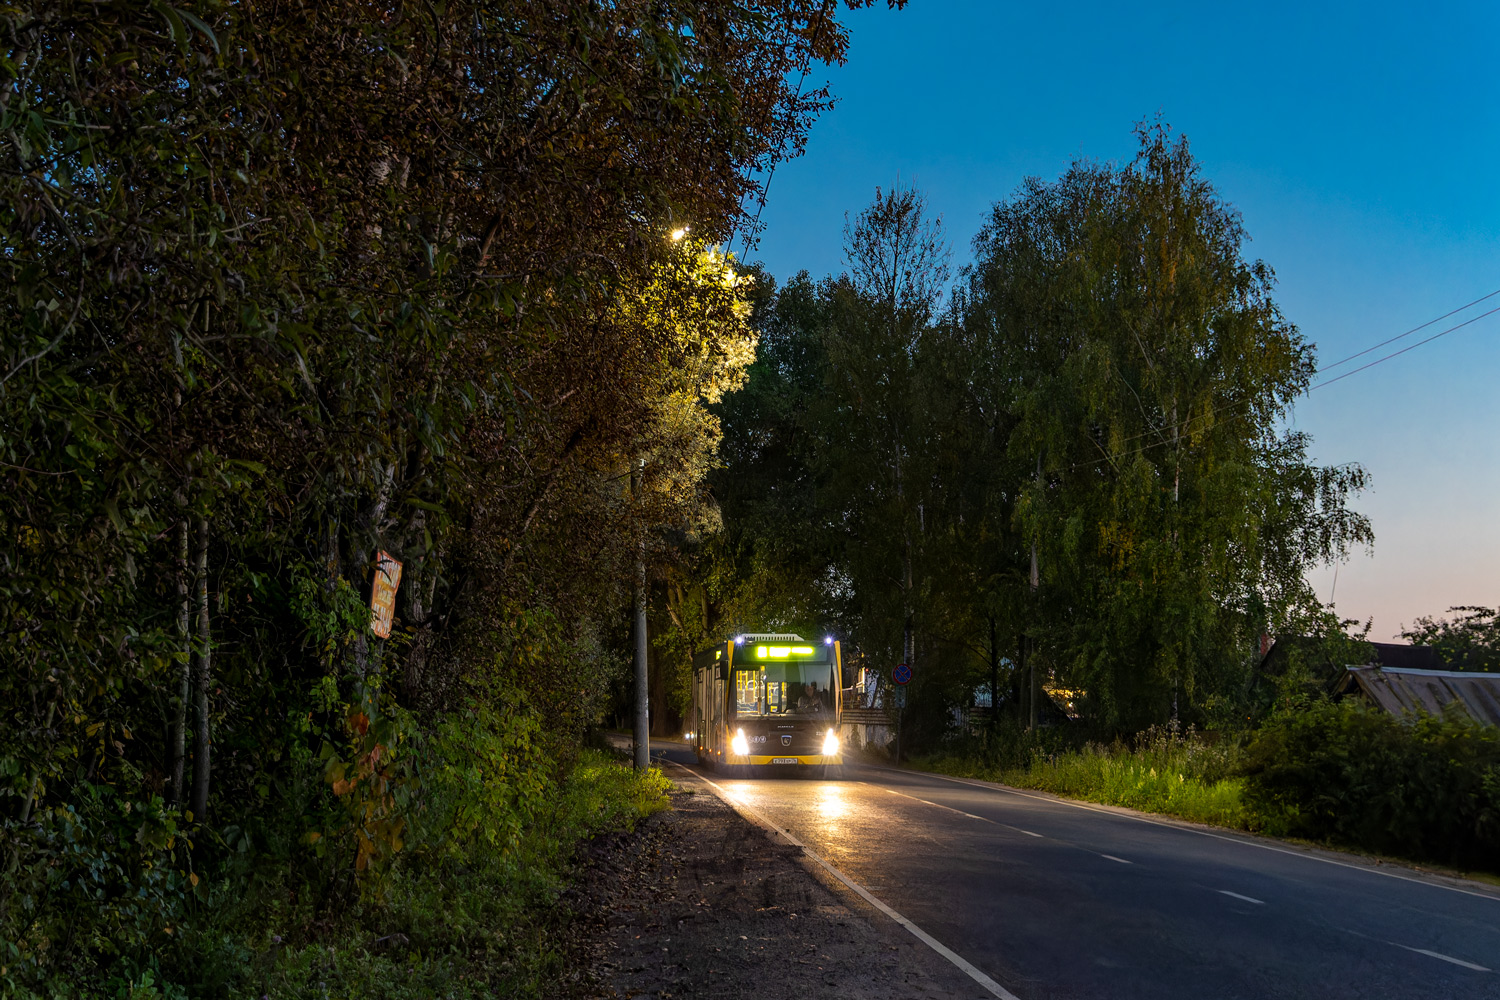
[
  {"x": 1422, "y": 790},
  {"x": 1166, "y": 772}
]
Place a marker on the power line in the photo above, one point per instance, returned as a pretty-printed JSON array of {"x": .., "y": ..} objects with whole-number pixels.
[
  {"x": 1408, "y": 333},
  {"x": 775, "y": 162},
  {"x": 1329, "y": 367},
  {"x": 1326, "y": 382},
  {"x": 1410, "y": 347}
]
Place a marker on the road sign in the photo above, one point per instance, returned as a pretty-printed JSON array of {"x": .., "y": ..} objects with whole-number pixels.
[
  {"x": 383, "y": 594},
  {"x": 901, "y": 674}
]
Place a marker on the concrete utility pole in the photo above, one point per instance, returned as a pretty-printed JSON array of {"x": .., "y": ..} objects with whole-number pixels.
[
  {"x": 994, "y": 684},
  {"x": 642, "y": 688},
  {"x": 1036, "y": 580}
]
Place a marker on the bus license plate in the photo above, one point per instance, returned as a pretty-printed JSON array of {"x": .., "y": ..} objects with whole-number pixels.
[{"x": 783, "y": 760}]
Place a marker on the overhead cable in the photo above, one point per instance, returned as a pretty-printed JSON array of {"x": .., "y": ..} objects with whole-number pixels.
[
  {"x": 1409, "y": 347},
  {"x": 1408, "y": 333},
  {"x": 765, "y": 192},
  {"x": 1326, "y": 382}
]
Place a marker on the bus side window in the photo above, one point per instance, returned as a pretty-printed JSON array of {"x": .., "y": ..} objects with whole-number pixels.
[{"x": 747, "y": 692}]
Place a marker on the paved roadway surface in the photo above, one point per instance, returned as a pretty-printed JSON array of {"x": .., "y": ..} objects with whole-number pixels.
[{"x": 1062, "y": 900}]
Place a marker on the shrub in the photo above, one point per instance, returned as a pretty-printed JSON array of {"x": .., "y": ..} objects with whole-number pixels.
[
  {"x": 1164, "y": 770},
  {"x": 1425, "y": 787}
]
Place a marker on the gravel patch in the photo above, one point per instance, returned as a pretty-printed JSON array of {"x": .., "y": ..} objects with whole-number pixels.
[{"x": 698, "y": 902}]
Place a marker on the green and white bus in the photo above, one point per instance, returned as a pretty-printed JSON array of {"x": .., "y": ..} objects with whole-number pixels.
[{"x": 768, "y": 703}]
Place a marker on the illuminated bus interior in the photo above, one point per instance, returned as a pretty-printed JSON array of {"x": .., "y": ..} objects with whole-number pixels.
[{"x": 787, "y": 688}]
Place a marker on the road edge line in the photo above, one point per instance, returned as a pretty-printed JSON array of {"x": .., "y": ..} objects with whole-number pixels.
[{"x": 958, "y": 961}]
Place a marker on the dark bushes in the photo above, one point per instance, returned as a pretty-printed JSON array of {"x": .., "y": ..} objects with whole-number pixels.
[{"x": 1425, "y": 788}]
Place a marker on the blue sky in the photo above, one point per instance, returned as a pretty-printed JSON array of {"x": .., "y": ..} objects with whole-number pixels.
[{"x": 1361, "y": 143}]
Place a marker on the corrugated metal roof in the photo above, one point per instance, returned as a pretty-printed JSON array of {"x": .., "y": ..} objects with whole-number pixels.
[{"x": 1399, "y": 692}]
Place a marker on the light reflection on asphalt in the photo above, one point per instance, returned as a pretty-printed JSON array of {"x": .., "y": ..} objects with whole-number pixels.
[
  {"x": 848, "y": 822},
  {"x": 1031, "y": 890},
  {"x": 831, "y": 804}
]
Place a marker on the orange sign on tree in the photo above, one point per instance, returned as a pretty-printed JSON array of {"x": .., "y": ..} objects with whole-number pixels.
[{"x": 383, "y": 593}]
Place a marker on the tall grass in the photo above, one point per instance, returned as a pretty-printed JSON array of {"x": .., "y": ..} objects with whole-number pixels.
[{"x": 1163, "y": 770}]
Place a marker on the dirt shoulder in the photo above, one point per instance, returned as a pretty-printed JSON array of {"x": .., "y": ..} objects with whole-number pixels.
[{"x": 698, "y": 902}]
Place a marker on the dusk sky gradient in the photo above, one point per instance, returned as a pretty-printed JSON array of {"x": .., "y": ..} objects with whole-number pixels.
[{"x": 1361, "y": 143}]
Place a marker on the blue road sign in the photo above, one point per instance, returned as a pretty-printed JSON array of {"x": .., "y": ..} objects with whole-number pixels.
[{"x": 901, "y": 674}]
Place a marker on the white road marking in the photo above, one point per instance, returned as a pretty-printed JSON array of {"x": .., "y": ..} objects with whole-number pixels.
[
  {"x": 1243, "y": 841},
  {"x": 1113, "y": 858},
  {"x": 937, "y": 805},
  {"x": 994, "y": 988},
  {"x": 1444, "y": 958},
  {"x": 1248, "y": 899}
]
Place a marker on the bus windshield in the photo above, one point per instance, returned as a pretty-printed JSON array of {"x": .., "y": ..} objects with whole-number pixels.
[{"x": 791, "y": 690}]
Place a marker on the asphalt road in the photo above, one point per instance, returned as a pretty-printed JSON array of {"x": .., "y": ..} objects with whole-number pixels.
[{"x": 1062, "y": 900}]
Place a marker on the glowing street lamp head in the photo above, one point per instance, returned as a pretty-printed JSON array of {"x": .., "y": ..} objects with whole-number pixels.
[{"x": 679, "y": 233}]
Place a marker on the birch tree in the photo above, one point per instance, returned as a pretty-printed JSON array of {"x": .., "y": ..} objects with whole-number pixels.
[{"x": 1149, "y": 370}]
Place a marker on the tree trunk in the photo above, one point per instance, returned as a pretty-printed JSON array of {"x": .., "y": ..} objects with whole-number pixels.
[
  {"x": 178, "y": 755},
  {"x": 416, "y": 614},
  {"x": 36, "y": 778},
  {"x": 367, "y": 656},
  {"x": 202, "y": 677}
]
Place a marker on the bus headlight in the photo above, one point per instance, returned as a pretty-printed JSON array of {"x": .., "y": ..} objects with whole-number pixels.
[
  {"x": 739, "y": 744},
  {"x": 831, "y": 743}
]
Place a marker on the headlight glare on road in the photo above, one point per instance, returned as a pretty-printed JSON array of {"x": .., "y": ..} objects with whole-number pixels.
[
  {"x": 831, "y": 743},
  {"x": 739, "y": 744}
]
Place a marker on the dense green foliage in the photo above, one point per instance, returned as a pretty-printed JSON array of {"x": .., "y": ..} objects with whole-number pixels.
[
  {"x": 1144, "y": 369},
  {"x": 1425, "y": 788},
  {"x": 466, "y": 910},
  {"x": 1072, "y": 471},
  {"x": 289, "y": 284},
  {"x": 1467, "y": 640}
]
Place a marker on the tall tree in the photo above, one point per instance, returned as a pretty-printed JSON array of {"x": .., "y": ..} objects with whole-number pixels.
[
  {"x": 1149, "y": 370},
  {"x": 290, "y": 283},
  {"x": 873, "y": 421}
]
